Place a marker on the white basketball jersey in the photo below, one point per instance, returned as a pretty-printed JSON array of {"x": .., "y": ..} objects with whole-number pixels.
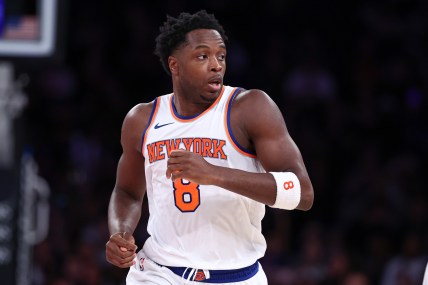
[{"x": 191, "y": 225}]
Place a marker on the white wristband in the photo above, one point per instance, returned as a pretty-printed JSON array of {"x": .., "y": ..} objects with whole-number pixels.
[{"x": 287, "y": 190}]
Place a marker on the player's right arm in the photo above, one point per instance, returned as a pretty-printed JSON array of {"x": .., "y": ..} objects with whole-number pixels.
[{"x": 126, "y": 199}]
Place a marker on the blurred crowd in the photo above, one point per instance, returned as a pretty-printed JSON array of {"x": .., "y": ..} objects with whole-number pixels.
[{"x": 351, "y": 80}]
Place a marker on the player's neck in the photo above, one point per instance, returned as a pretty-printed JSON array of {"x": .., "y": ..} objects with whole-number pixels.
[{"x": 188, "y": 108}]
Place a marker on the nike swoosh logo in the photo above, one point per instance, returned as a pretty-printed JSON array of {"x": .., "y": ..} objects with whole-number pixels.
[{"x": 157, "y": 126}]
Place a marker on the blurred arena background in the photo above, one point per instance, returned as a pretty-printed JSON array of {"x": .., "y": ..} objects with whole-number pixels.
[{"x": 350, "y": 77}]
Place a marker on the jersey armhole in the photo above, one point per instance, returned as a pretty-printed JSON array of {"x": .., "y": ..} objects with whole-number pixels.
[
  {"x": 228, "y": 127},
  {"x": 149, "y": 123}
]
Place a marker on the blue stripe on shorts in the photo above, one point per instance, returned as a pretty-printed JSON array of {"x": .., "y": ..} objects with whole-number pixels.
[{"x": 219, "y": 276}]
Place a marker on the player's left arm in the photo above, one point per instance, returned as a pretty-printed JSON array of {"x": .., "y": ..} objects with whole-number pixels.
[
  {"x": 257, "y": 124},
  {"x": 264, "y": 125}
]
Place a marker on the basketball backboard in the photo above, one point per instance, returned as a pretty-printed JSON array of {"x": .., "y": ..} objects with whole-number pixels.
[{"x": 27, "y": 28}]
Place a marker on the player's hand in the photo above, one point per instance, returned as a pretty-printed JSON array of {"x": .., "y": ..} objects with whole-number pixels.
[
  {"x": 120, "y": 250},
  {"x": 190, "y": 166}
]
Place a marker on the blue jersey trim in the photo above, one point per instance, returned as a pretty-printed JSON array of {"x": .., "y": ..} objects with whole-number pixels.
[
  {"x": 155, "y": 103},
  {"x": 229, "y": 127},
  {"x": 174, "y": 109}
]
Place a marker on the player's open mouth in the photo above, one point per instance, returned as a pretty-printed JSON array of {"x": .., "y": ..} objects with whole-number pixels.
[{"x": 215, "y": 83}]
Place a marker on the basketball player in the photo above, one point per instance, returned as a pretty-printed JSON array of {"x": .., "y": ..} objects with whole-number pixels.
[{"x": 210, "y": 157}]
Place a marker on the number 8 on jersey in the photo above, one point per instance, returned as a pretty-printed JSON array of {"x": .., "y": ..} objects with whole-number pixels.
[{"x": 186, "y": 195}]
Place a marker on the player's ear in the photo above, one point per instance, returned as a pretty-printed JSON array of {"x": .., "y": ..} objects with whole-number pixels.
[{"x": 173, "y": 64}]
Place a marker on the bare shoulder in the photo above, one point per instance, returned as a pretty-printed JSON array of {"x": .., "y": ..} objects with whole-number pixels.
[
  {"x": 139, "y": 115},
  {"x": 253, "y": 105},
  {"x": 252, "y": 97},
  {"x": 253, "y": 114},
  {"x": 135, "y": 123}
]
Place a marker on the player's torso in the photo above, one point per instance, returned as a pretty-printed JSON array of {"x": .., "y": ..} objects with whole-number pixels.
[{"x": 206, "y": 224}]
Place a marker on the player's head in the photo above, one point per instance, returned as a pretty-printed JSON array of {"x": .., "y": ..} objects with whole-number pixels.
[{"x": 174, "y": 31}]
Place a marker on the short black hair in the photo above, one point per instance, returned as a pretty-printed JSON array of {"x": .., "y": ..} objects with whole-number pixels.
[{"x": 174, "y": 30}]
